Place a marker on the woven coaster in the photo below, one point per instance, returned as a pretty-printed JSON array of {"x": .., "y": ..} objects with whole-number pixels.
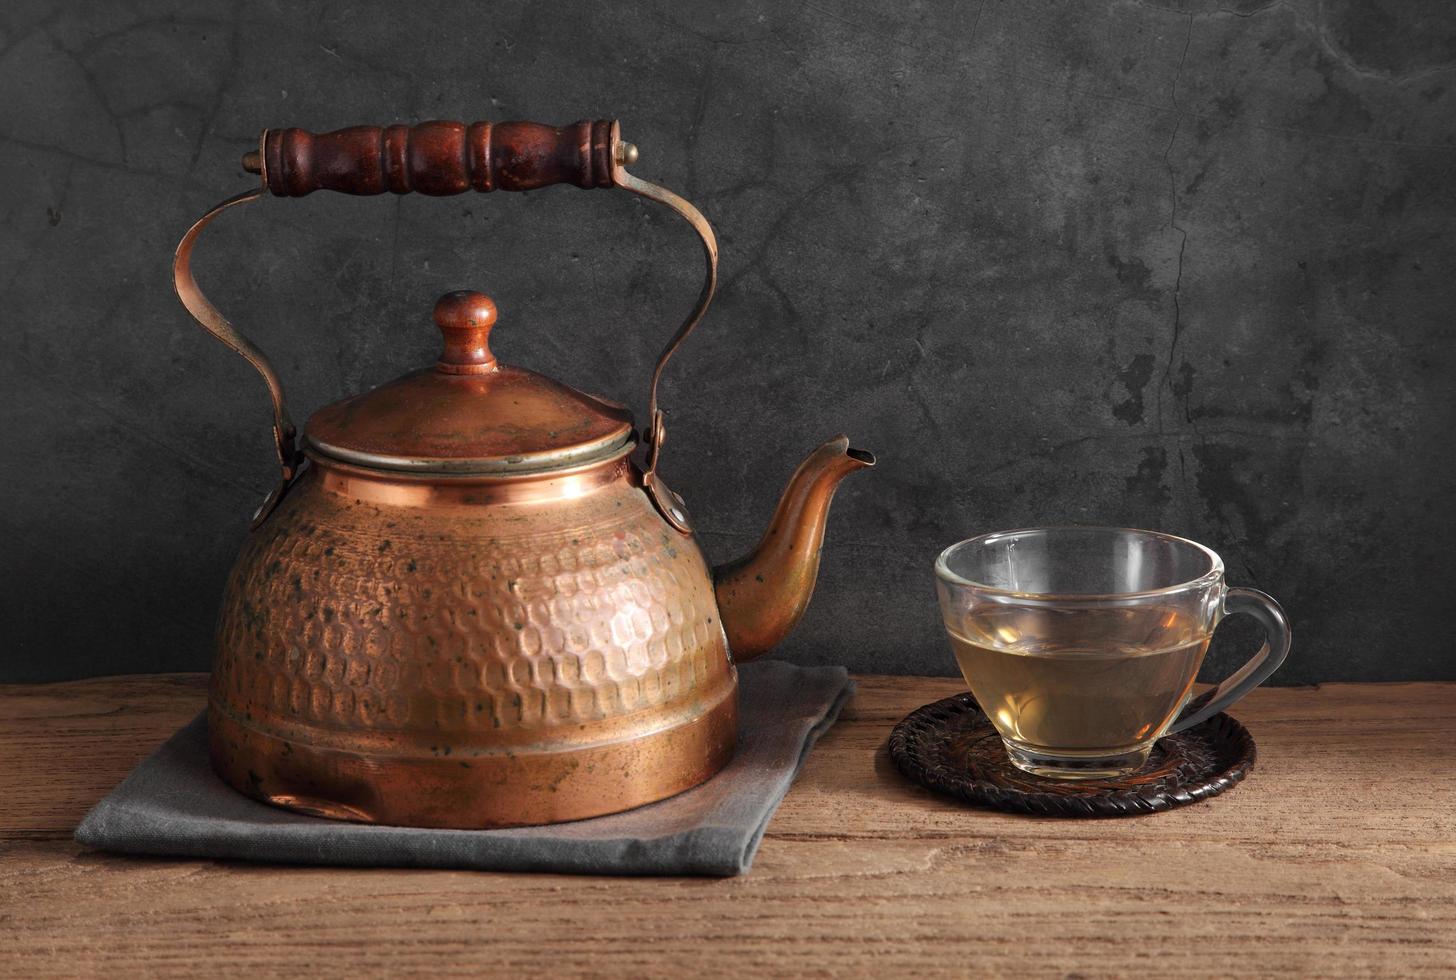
[{"x": 951, "y": 747}]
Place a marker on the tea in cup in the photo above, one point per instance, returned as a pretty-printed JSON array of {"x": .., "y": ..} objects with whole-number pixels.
[{"x": 1082, "y": 644}]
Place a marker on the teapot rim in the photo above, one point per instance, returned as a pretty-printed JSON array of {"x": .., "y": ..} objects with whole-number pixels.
[{"x": 611, "y": 446}]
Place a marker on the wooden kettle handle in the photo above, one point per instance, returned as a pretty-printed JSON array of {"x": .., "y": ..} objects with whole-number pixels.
[{"x": 438, "y": 158}]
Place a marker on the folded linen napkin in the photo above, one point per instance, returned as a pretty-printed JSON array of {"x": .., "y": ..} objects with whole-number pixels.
[{"x": 173, "y": 804}]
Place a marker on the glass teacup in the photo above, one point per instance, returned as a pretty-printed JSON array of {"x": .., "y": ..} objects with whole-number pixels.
[{"x": 1082, "y": 643}]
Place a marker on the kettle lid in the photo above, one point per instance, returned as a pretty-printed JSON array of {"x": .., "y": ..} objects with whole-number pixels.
[{"x": 469, "y": 413}]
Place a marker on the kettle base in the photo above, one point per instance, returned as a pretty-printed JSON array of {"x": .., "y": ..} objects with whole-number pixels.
[{"x": 473, "y": 790}]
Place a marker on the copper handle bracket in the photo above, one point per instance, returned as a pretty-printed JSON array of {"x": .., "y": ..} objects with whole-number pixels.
[
  {"x": 668, "y": 503},
  {"x": 285, "y": 434}
]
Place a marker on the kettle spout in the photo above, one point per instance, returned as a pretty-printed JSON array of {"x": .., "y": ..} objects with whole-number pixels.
[{"x": 762, "y": 596}]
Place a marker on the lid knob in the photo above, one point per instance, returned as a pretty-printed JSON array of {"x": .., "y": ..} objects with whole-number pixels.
[{"x": 465, "y": 318}]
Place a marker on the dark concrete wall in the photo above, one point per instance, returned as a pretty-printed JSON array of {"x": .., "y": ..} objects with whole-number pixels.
[{"x": 1185, "y": 266}]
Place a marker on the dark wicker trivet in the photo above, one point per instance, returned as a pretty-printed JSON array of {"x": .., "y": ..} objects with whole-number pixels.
[{"x": 951, "y": 747}]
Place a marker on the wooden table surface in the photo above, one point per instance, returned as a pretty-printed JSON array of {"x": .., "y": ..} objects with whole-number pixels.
[{"x": 1336, "y": 857}]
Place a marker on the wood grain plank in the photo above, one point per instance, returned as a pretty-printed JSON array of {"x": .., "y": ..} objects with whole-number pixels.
[
  {"x": 1337, "y": 857},
  {"x": 64, "y": 746}
]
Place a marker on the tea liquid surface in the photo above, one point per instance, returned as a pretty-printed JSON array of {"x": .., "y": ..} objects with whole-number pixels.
[{"x": 1091, "y": 681}]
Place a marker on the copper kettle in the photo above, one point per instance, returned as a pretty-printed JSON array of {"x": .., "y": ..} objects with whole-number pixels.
[{"x": 471, "y": 601}]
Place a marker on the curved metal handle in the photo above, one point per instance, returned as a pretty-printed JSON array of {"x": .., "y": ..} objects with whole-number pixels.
[
  {"x": 1276, "y": 647},
  {"x": 445, "y": 158},
  {"x": 669, "y": 504},
  {"x": 285, "y": 435}
]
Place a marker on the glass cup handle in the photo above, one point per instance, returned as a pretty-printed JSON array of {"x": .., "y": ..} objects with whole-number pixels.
[{"x": 1250, "y": 675}]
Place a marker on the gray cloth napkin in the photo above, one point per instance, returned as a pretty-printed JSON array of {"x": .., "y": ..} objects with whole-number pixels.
[{"x": 174, "y": 804}]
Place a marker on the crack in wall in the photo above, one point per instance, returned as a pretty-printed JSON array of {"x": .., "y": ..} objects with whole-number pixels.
[
  {"x": 695, "y": 125},
  {"x": 1185, "y": 391},
  {"x": 230, "y": 71},
  {"x": 1177, "y": 326},
  {"x": 1229, "y": 538}
]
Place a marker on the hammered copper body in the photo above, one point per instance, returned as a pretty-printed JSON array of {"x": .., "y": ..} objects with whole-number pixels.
[
  {"x": 398, "y": 651},
  {"x": 471, "y": 601}
]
